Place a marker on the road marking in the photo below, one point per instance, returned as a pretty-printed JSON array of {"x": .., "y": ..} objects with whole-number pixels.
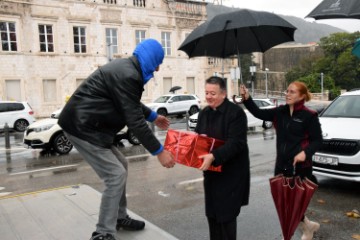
[
  {"x": 4, "y": 194},
  {"x": 191, "y": 181},
  {"x": 13, "y": 148},
  {"x": 41, "y": 191},
  {"x": 44, "y": 169}
]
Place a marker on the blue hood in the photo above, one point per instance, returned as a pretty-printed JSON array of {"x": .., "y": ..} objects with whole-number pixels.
[{"x": 150, "y": 55}]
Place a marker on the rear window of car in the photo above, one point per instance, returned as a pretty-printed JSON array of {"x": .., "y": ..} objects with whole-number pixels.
[{"x": 9, "y": 107}]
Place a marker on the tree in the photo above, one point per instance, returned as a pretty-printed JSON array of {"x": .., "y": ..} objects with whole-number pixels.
[{"x": 341, "y": 69}]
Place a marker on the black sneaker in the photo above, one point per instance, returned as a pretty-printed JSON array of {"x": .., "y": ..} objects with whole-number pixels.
[
  {"x": 130, "y": 224},
  {"x": 99, "y": 236}
]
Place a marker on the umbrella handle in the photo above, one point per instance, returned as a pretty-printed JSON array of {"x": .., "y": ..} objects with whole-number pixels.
[
  {"x": 236, "y": 101},
  {"x": 294, "y": 170}
]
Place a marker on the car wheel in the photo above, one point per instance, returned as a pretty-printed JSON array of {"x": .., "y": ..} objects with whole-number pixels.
[
  {"x": 162, "y": 111},
  {"x": 21, "y": 125},
  {"x": 267, "y": 124},
  {"x": 132, "y": 139},
  {"x": 193, "y": 110},
  {"x": 61, "y": 144}
]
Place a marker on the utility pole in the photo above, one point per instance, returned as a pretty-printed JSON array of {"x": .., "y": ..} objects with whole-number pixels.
[{"x": 322, "y": 85}]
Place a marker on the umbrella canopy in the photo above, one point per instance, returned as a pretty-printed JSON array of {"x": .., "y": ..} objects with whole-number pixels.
[
  {"x": 291, "y": 198},
  {"x": 356, "y": 49},
  {"x": 328, "y": 9},
  {"x": 175, "y": 88},
  {"x": 237, "y": 32}
]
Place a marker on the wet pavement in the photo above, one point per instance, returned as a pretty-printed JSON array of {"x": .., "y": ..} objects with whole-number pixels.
[{"x": 172, "y": 199}]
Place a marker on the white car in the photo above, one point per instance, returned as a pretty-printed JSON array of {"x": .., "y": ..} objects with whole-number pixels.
[
  {"x": 47, "y": 134},
  {"x": 17, "y": 115},
  {"x": 176, "y": 104},
  {"x": 252, "y": 121},
  {"x": 339, "y": 156}
]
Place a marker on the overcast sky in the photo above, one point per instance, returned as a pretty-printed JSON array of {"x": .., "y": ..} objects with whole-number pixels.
[{"x": 297, "y": 8}]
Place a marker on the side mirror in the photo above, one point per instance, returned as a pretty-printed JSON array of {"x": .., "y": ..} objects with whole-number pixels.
[{"x": 170, "y": 101}]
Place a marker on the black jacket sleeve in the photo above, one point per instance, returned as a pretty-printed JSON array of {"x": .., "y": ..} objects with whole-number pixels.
[{"x": 263, "y": 114}]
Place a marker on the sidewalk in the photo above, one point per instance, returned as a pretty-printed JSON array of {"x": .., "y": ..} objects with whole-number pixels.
[{"x": 64, "y": 213}]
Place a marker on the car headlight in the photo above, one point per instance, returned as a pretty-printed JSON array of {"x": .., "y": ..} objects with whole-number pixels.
[{"x": 43, "y": 128}]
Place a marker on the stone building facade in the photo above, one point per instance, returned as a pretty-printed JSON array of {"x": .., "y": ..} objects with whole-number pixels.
[
  {"x": 49, "y": 47},
  {"x": 279, "y": 60}
]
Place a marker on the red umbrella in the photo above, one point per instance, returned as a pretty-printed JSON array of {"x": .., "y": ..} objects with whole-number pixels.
[{"x": 291, "y": 198}]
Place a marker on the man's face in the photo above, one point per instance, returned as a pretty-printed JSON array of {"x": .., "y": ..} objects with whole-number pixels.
[{"x": 214, "y": 95}]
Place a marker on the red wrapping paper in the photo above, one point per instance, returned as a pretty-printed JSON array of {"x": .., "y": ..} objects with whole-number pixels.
[{"x": 187, "y": 147}]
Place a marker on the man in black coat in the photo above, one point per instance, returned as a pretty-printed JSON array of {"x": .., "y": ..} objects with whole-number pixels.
[
  {"x": 227, "y": 191},
  {"x": 102, "y": 105}
]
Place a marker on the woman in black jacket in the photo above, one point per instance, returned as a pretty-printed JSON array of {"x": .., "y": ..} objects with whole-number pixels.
[
  {"x": 227, "y": 191},
  {"x": 298, "y": 136}
]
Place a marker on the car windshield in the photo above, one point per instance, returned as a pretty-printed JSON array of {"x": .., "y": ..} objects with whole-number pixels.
[
  {"x": 344, "y": 106},
  {"x": 162, "y": 99}
]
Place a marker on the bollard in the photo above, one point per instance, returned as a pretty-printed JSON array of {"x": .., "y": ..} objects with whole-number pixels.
[
  {"x": 187, "y": 121},
  {"x": 7, "y": 136}
]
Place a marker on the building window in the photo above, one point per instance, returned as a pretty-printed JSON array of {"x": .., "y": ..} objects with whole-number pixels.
[
  {"x": 139, "y": 3},
  {"x": 190, "y": 85},
  {"x": 166, "y": 43},
  {"x": 167, "y": 85},
  {"x": 109, "y": 1},
  {"x": 13, "y": 90},
  {"x": 111, "y": 42},
  {"x": 8, "y": 36},
  {"x": 49, "y": 90},
  {"x": 79, "y": 39},
  {"x": 139, "y": 36},
  {"x": 46, "y": 38}
]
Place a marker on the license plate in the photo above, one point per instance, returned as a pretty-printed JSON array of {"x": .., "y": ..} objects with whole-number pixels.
[{"x": 326, "y": 160}]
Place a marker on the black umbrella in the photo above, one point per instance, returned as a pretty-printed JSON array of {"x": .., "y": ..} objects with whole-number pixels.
[
  {"x": 328, "y": 9},
  {"x": 237, "y": 32},
  {"x": 175, "y": 88},
  {"x": 241, "y": 31}
]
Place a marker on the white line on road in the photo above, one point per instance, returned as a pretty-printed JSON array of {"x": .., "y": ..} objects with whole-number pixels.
[
  {"x": 191, "y": 181},
  {"x": 44, "y": 169}
]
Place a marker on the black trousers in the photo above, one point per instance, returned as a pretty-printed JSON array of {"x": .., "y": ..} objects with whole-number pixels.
[{"x": 222, "y": 231}]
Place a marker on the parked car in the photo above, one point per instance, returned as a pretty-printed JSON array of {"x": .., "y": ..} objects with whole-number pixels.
[
  {"x": 176, "y": 104},
  {"x": 17, "y": 115},
  {"x": 339, "y": 155},
  {"x": 47, "y": 134},
  {"x": 252, "y": 121}
]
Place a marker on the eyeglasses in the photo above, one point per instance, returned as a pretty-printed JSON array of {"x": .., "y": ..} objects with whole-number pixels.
[{"x": 291, "y": 92}]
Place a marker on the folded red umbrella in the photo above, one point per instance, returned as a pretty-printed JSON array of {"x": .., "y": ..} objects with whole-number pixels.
[
  {"x": 187, "y": 147},
  {"x": 291, "y": 197}
]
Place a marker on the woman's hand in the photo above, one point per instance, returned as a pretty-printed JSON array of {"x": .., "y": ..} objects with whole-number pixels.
[
  {"x": 300, "y": 157},
  {"x": 207, "y": 161},
  {"x": 244, "y": 92}
]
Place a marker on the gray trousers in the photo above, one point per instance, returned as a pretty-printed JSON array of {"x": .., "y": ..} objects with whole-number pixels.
[{"x": 111, "y": 166}]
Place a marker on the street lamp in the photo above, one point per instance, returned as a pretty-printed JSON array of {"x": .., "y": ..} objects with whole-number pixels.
[
  {"x": 266, "y": 82},
  {"x": 252, "y": 71}
]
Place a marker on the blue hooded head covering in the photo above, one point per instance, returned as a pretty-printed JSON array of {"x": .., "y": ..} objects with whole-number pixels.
[{"x": 150, "y": 55}]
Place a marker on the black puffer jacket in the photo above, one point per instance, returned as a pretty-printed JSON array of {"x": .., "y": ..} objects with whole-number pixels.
[
  {"x": 105, "y": 102},
  {"x": 294, "y": 133}
]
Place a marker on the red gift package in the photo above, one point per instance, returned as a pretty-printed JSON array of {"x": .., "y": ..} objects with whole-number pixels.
[{"x": 187, "y": 147}]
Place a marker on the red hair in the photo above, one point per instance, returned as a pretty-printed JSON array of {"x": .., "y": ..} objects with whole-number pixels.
[{"x": 303, "y": 90}]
